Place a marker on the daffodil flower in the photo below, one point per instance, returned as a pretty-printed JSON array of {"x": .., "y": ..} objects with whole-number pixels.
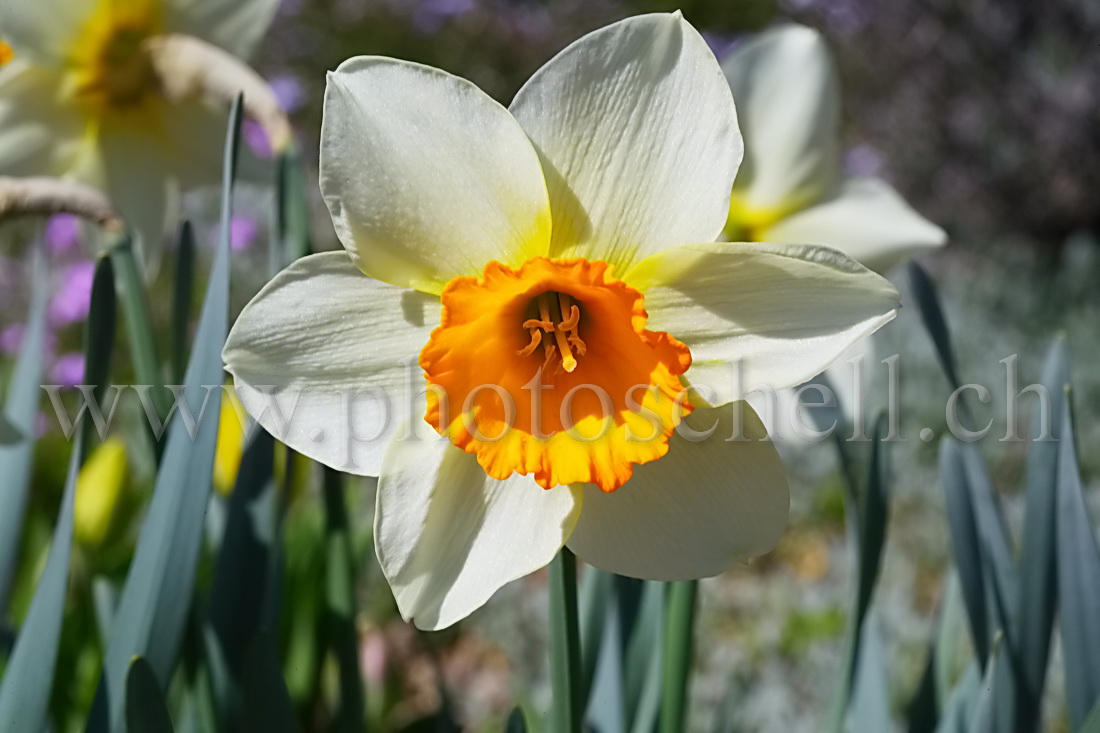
[
  {"x": 126, "y": 95},
  {"x": 790, "y": 187},
  {"x": 551, "y": 272}
]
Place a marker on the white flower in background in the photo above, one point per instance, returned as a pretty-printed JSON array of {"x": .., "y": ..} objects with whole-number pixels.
[
  {"x": 790, "y": 187},
  {"x": 127, "y": 95},
  {"x": 570, "y": 239}
]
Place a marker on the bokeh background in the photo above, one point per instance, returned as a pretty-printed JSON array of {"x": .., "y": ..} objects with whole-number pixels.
[{"x": 984, "y": 114}]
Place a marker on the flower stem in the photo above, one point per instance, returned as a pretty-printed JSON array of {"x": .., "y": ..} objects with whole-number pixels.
[
  {"x": 565, "y": 646},
  {"x": 678, "y": 653}
]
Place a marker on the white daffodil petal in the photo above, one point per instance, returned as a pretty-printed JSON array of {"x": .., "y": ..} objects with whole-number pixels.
[
  {"x": 638, "y": 137},
  {"x": 448, "y": 536},
  {"x": 690, "y": 514},
  {"x": 235, "y": 25},
  {"x": 788, "y": 106},
  {"x": 761, "y": 315},
  {"x": 135, "y": 170},
  {"x": 38, "y": 136},
  {"x": 867, "y": 220},
  {"x": 43, "y": 29},
  {"x": 339, "y": 353},
  {"x": 425, "y": 176}
]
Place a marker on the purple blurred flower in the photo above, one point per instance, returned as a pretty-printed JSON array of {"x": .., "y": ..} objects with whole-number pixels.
[
  {"x": 68, "y": 370},
  {"x": 70, "y": 303},
  {"x": 430, "y": 15},
  {"x": 256, "y": 138},
  {"x": 11, "y": 338},
  {"x": 288, "y": 91},
  {"x": 863, "y": 161},
  {"x": 242, "y": 232},
  {"x": 720, "y": 43},
  {"x": 62, "y": 233}
]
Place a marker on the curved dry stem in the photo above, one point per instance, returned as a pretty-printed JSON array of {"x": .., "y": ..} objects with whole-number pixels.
[{"x": 47, "y": 196}]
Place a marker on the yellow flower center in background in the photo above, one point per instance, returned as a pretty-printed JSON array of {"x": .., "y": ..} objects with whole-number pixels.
[
  {"x": 747, "y": 223},
  {"x": 6, "y": 53},
  {"x": 548, "y": 370},
  {"x": 109, "y": 63}
]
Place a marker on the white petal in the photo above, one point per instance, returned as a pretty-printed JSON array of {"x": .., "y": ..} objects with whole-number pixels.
[
  {"x": 638, "y": 137},
  {"x": 136, "y": 170},
  {"x": 235, "y": 25},
  {"x": 758, "y": 315},
  {"x": 43, "y": 29},
  {"x": 38, "y": 136},
  {"x": 788, "y": 105},
  {"x": 867, "y": 220},
  {"x": 425, "y": 176},
  {"x": 345, "y": 347},
  {"x": 693, "y": 512},
  {"x": 448, "y": 536}
]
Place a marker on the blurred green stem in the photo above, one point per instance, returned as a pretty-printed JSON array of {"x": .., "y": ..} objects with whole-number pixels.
[
  {"x": 678, "y": 654},
  {"x": 566, "y": 676}
]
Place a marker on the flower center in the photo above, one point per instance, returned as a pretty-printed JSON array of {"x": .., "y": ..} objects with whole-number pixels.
[
  {"x": 557, "y": 314},
  {"x": 6, "y": 53},
  {"x": 547, "y": 369},
  {"x": 111, "y": 67}
]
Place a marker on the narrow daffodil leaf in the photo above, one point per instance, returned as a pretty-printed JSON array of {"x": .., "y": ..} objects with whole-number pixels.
[
  {"x": 1078, "y": 583},
  {"x": 267, "y": 705},
  {"x": 1092, "y": 722},
  {"x": 645, "y": 660},
  {"x": 595, "y": 603},
  {"x": 679, "y": 653},
  {"x": 869, "y": 517},
  {"x": 965, "y": 545},
  {"x": 242, "y": 596},
  {"x": 931, "y": 313},
  {"x": 99, "y": 335},
  {"x": 340, "y": 603},
  {"x": 21, "y": 411},
  {"x": 156, "y": 598},
  {"x": 146, "y": 710},
  {"x": 25, "y": 688},
  {"x": 139, "y": 329},
  {"x": 985, "y": 718},
  {"x": 1038, "y": 568},
  {"x": 517, "y": 722},
  {"x": 9, "y": 434},
  {"x": 869, "y": 707},
  {"x": 292, "y": 210},
  {"x": 182, "y": 291},
  {"x": 960, "y": 708},
  {"x": 567, "y": 709}
]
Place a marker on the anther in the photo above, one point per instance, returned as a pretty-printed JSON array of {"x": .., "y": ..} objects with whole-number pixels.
[{"x": 536, "y": 339}]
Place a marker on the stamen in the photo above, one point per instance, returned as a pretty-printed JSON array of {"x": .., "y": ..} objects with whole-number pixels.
[
  {"x": 546, "y": 325},
  {"x": 552, "y": 319},
  {"x": 551, "y": 352},
  {"x": 536, "y": 339}
]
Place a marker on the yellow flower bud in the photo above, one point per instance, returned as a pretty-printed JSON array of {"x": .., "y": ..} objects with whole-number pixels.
[
  {"x": 227, "y": 457},
  {"x": 98, "y": 489}
]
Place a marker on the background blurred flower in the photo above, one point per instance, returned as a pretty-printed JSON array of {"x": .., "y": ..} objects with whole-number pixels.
[
  {"x": 99, "y": 487},
  {"x": 791, "y": 187},
  {"x": 62, "y": 233},
  {"x": 68, "y": 370},
  {"x": 73, "y": 296},
  {"x": 118, "y": 95}
]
